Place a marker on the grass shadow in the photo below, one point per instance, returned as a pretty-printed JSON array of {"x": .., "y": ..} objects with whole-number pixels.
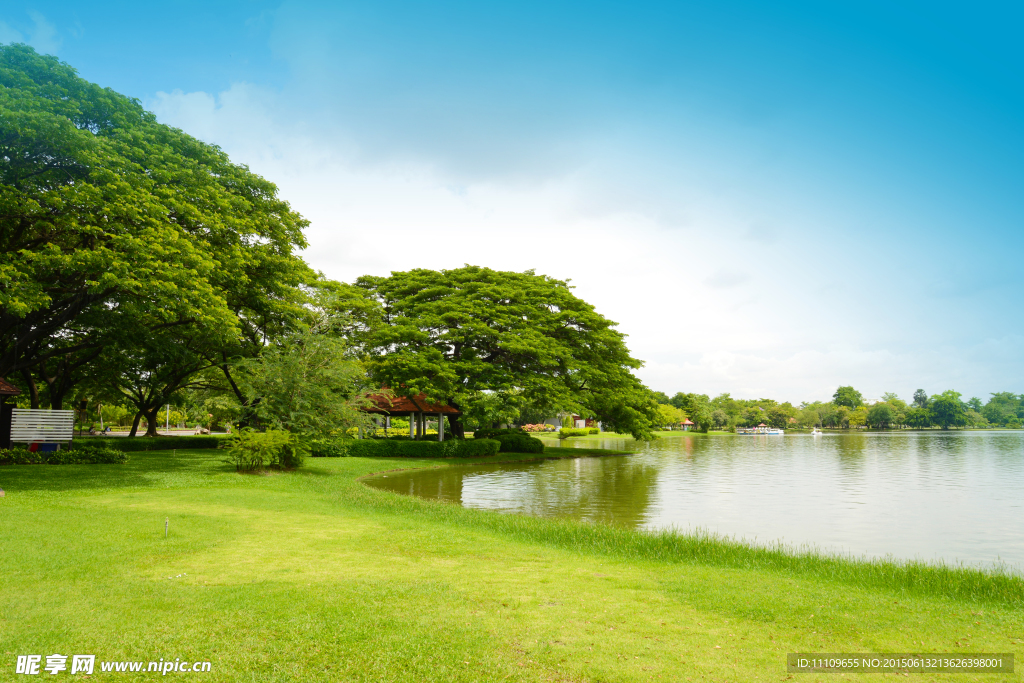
[{"x": 145, "y": 469}]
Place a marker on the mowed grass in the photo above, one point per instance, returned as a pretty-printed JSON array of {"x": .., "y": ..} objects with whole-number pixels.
[{"x": 311, "y": 576}]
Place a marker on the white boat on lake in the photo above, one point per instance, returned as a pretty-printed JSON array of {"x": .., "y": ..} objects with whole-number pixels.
[{"x": 759, "y": 429}]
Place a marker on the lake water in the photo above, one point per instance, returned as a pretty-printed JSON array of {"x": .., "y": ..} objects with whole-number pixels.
[{"x": 953, "y": 496}]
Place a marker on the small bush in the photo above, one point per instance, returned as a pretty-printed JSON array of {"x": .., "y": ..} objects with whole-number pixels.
[
  {"x": 388, "y": 448},
  {"x": 565, "y": 433},
  {"x": 153, "y": 443},
  {"x": 292, "y": 454},
  {"x": 72, "y": 456},
  {"x": 594, "y": 430},
  {"x": 249, "y": 450},
  {"x": 519, "y": 443}
]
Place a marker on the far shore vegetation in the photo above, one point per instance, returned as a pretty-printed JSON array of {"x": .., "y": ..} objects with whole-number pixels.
[{"x": 848, "y": 409}]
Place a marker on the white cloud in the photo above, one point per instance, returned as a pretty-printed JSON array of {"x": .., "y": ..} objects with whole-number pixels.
[{"x": 675, "y": 265}]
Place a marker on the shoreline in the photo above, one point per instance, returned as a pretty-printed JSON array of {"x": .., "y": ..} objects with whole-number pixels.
[{"x": 939, "y": 578}]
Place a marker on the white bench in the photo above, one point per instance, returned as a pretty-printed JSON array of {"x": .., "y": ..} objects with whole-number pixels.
[{"x": 30, "y": 425}]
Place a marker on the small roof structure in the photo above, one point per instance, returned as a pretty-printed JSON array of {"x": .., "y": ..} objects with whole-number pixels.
[
  {"x": 402, "y": 405},
  {"x": 686, "y": 422},
  {"x": 8, "y": 389},
  {"x": 762, "y": 425}
]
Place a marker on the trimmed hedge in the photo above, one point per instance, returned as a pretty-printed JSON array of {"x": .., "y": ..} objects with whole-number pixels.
[
  {"x": 495, "y": 433},
  {"x": 152, "y": 443},
  {"x": 329, "y": 448},
  {"x": 519, "y": 443},
  {"x": 582, "y": 431},
  {"x": 72, "y": 456},
  {"x": 386, "y": 448}
]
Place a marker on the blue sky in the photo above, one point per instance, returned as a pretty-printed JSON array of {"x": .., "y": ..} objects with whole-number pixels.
[{"x": 770, "y": 198}]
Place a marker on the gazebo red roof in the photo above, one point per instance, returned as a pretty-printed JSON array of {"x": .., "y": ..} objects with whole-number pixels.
[
  {"x": 687, "y": 422},
  {"x": 8, "y": 389},
  {"x": 762, "y": 425},
  {"x": 402, "y": 405}
]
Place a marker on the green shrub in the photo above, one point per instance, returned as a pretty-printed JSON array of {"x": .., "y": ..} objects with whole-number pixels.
[
  {"x": 566, "y": 433},
  {"x": 250, "y": 450},
  {"x": 72, "y": 456},
  {"x": 519, "y": 443},
  {"x": 593, "y": 430},
  {"x": 400, "y": 448},
  {"x": 494, "y": 433},
  {"x": 152, "y": 443},
  {"x": 474, "y": 448},
  {"x": 329, "y": 447},
  {"x": 292, "y": 454}
]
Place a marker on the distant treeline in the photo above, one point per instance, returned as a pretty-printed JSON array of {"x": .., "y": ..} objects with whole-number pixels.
[{"x": 846, "y": 410}]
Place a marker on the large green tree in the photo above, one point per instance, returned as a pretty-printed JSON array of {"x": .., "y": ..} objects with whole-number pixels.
[
  {"x": 456, "y": 334},
  {"x": 848, "y": 396},
  {"x": 881, "y": 416},
  {"x": 104, "y": 209},
  {"x": 948, "y": 410},
  {"x": 1003, "y": 407},
  {"x": 918, "y": 418}
]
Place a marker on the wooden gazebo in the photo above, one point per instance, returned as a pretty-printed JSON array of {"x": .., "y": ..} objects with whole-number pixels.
[{"x": 416, "y": 408}]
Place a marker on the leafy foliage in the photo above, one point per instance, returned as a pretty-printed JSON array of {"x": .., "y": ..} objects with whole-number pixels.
[
  {"x": 881, "y": 416},
  {"x": 112, "y": 224},
  {"x": 249, "y": 450},
  {"x": 523, "y": 337},
  {"x": 849, "y": 397},
  {"x": 948, "y": 410},
  {"x": 306, "y": 383},
  {"x": 519, "y": 443},
  {"x": 669, "y": 416}
]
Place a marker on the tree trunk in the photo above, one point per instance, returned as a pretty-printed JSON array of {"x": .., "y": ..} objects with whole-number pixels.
[
  {"x": 151, "y": 418},
  {"x": 33, "y": 390},
  {"x": 455, "y": 422},
  {"x": 135, "y": 423}
]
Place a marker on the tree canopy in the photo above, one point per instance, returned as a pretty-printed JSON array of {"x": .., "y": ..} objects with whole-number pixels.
[
  {"x": 948, "y": 410},
  {"x": 460, "y": 335},
  {"x": 848, "y": 396},
  {"x": 112, "y": 221}
]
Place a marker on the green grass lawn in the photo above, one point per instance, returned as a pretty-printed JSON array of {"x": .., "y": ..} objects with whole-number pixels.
[{"x": 311, "y": 576}]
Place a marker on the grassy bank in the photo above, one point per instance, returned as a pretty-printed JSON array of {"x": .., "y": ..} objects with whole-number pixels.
[{"x": 312, "y": 576}]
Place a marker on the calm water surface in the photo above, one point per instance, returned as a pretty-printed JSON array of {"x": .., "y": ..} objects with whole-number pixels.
[{"x": 956, "y": 496}]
